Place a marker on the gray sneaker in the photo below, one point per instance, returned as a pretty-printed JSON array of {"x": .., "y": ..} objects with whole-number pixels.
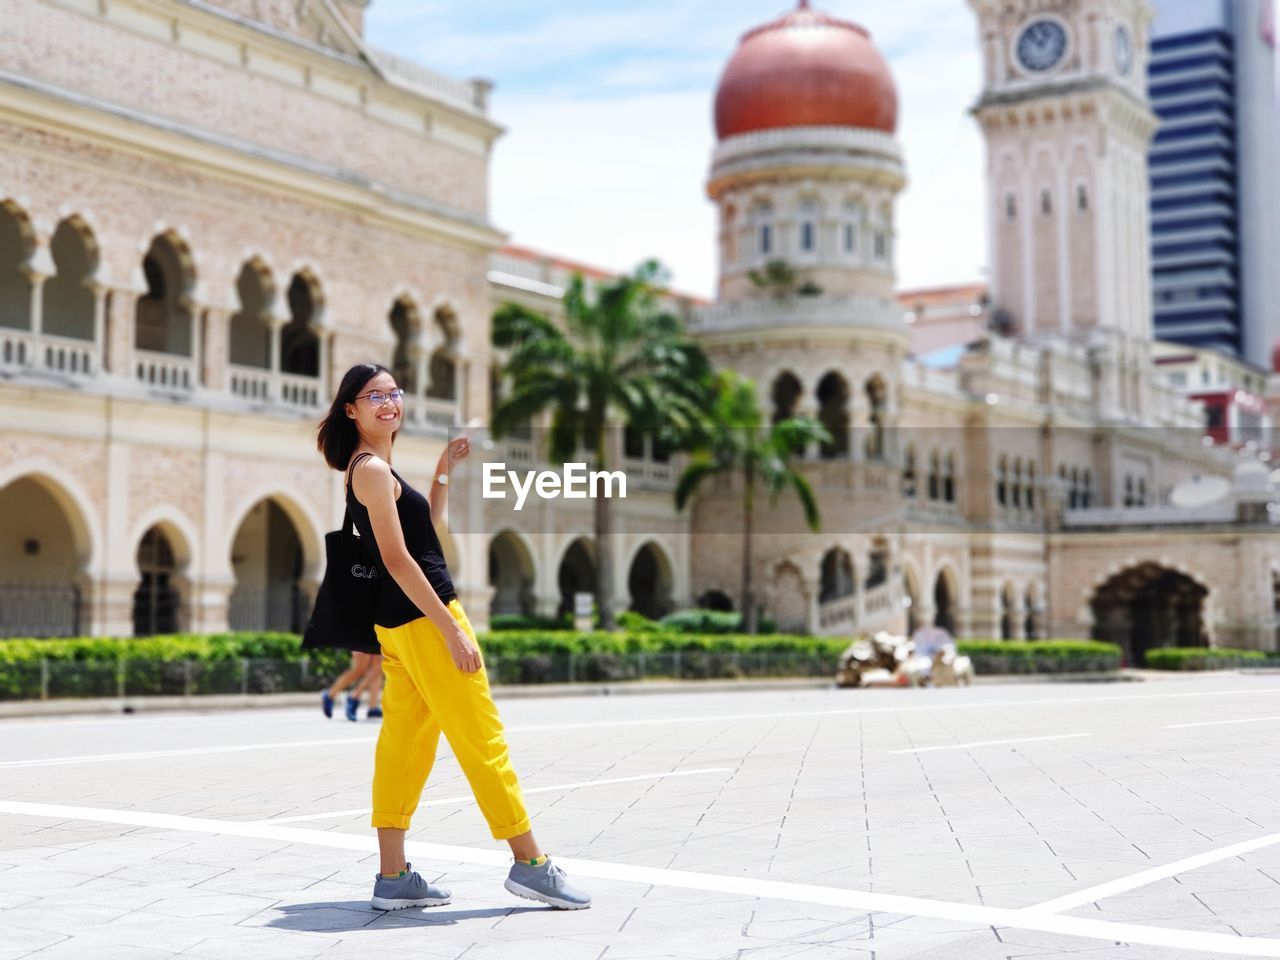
[
  {"x": 407, "y": 891},
  {"x": 546, "y": 883}
]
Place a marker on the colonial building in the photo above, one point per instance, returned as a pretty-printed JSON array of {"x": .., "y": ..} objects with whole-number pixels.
[{"x": 210, "y": 210}]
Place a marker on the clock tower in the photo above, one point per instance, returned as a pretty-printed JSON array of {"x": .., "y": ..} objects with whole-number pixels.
[{"x": 1065, "y": 115}]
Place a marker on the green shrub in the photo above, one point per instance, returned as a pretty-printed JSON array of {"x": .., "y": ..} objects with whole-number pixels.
[
  {"x": 1041, "y": 656},
  {"x": 710, "y": 621},
  {"x": 1201, "y": 658}
]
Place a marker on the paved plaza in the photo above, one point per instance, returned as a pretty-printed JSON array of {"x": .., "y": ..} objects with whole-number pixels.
[{"x": 1133, "y": 820}]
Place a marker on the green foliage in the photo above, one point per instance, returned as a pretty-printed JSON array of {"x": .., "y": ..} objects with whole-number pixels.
[
  {"x": 1041, "y": 656},
  {"x": 1202, "y": 658},
  {"x": 783, "y": 280},
  {"x": 710, "y": 621},
  {"x": 519, "y": 621},
  {"x": 633, "y": 622}
]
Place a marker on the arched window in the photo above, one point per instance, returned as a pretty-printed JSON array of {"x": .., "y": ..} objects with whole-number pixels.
[
  {"x": 250, "y": 329},
  {"x": 1010, "y": 207},
  {"x": 443, "y": 381},
  {"x": 949, "y": 479},
  {"x": 17, "y": 243},
  {"x": 1082, "y": 198},
  {"x": 68, "y": 308},
  {"x": 762, "y": 222},
  {"x": 299, "y": 339},
  {"x": 1002, "y": 482},
  {"x": 877, "y": 402},
  {"x": 1031, "y": 486},
  {"x": 1016, "y": 485},
  {"x": 909, "y": 473},
  {"x": 162, "y": 317},
  {"x": 405, "y": 326},
  {"x": 785, "y": 395},
  {"x": 808, "y": 224},
  {"x": 1074, "y": 495},
  {"x": 935, "y": 476},
  {"x": 1086, "y": 491},
  {"x": 1046, "y": 202},
  {"x": 833, "y": 411},
  {"x": 878, "y": 563},
  {"x": 837, "y": 575},
  {"x": 851, "y": 227}
]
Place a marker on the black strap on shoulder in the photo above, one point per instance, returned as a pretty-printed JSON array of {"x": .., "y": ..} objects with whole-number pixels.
[
  {"x": 347, "y": 522},
  {"x": 351, "y": 468}
]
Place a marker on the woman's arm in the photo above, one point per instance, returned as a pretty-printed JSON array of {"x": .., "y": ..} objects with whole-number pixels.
[
  {"x": 375, "y": 487},
  {"x": 438, "y": 497}
]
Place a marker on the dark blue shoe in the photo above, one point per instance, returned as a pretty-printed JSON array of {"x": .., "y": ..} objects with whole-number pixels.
[
  {"x": 375, "y": 713},
  {"x": 352, "y": 705},
  {"x": 326, "y": 704}
]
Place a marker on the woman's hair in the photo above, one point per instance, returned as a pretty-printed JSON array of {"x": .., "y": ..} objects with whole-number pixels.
[{"x": 338, "y": 436}]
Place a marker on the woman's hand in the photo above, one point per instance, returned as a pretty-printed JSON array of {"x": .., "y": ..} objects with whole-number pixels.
[
  {"x": 464, "y": 650},
  {"x": 458, "y": 449}
]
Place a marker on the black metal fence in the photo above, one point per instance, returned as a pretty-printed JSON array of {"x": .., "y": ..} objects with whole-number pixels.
[{"x": 39, "y": 610}]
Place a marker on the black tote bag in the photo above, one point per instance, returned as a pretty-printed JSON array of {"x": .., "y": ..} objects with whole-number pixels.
[{"x": 348, "y": 596}]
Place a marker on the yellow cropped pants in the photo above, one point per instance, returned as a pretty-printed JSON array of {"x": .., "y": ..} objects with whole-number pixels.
[{"x": 426, "y": 695}]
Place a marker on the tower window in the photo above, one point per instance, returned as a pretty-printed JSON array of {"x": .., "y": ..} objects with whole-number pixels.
[
  {"x": 1046, "y": 203},
  {"x": 806, "y": 237},
  {"x": 1010, "y": 206},
  {"x": 766, "y": 239},
  {"x": 880, "y": 244},
  {"x": 850, "y": 236},
  {"x": 1082, "y": 198}
]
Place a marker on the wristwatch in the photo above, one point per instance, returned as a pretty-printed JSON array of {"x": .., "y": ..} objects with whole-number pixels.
[{"x": 442, "y": 478}]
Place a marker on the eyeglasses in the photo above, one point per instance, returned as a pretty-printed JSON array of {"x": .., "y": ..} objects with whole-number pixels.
[{"x": 377, "y": 398}]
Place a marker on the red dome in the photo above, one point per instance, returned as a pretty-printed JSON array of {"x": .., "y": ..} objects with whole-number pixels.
[{"x": 806, "y": 69}]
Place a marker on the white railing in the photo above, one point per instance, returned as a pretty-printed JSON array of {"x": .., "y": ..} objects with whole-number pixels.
[
  {"x": 878, "y": 601},
  {"x": 841, "y": 612},
  {"x": 298, "y": 391},
  {"x": 250, "y": 383},
  {"x": 25, "y": 352},
  {"x": 431, "y": 412},
  {"x": 767, "y": 312},
  {"x": 649, "y": 474},
  {"x": 165, "y": 370},
  {"x": 409, "y": 73},
  {"x": 1222, "y": 512},
  {"x": 518, "y": 452}
]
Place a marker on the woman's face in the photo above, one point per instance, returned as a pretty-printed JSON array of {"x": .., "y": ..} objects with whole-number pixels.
[{"x": 377, "y": 420}]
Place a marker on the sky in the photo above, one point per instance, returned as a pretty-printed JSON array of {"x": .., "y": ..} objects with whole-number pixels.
[{"x": 607, "y": 105}]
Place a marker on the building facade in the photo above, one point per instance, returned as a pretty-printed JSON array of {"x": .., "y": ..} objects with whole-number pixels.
[
  {"x": 1214, "y": 202},
  {"x": 182, "y": 281}
]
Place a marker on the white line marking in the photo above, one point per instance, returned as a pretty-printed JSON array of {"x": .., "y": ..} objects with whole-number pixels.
[
  {"x": 992, "y": 743},
  {"x": 1041, "y": 703},
  {"x": 1125, "y": 884},
  {"x": 968, "y": 913},
  {"x": 187, "y": 752},
  {"x": 443, "y": 801},
  {"x": 1217, "y": 723}
]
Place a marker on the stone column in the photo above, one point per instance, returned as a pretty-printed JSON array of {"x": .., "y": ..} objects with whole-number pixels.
[
  {"x": 812, "y": 590},
  {"x": 99, "y": 325},
  {"x": 275, "y": 323},
  {"x": 37, "y": 279},
  {"x": 111, "y": 606},
  {"x": 217, "y": 329},
  {"x": 209, "y": 603},
  {"x": 120, "y": 320}
]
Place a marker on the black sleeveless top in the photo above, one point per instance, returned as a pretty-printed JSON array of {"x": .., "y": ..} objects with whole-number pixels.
[{"x": 395, "y": 608}]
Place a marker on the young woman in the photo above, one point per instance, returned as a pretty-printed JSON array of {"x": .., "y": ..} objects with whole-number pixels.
[{"x": 435, "y": 679}]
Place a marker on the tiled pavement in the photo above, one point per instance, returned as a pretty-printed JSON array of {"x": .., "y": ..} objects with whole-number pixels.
[{"x": 792, "y": 811}]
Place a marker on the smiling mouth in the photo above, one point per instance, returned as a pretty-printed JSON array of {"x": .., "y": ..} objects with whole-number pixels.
[{"x": 389, "y": 417}]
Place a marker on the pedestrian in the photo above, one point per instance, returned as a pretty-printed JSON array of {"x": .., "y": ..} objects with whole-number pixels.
[
  {"x": 366, "y": 673},
  {"x": 435, "y": 677}
]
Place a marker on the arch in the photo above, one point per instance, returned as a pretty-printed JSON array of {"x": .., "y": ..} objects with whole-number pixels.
[
  {"x": 160, "y": 600},
  {"x": 17, "y": 244},
  {"x": 837, "y": 576},
  {"x": 1008, "y": 612},
  {"x": 789, "y": 603},
  {"x": 71, "y": 498},
  {"x": 911, "y": 599},
  {"x": 832, "y": 395},
  {"x": 1147, "y": 605},
  {"x": 182, "y": 533},
  {"x": 575, "y": 572},
  {"x": 405, "y": 321},
  {"x": 877, "y": 416},
  {"x": 715, "y": 600},
  {"x": 909, "y": 472},
  {"x": 44, "y": 557},
  {"x": 650, "y": 580},
  {"x": 785, "y": 394},
  {"x": 68, "y": 305},
  {"x": 949, "y": 478},
  {"x": 250, "y": 331},
  {"x": 442, "y": 380},
  {"x": 304, "y": 520},
  {"x": 1033, "y": 612},
  {"x": 300, "y": 336},
  {"x": 268, "y": 558},
  {"x": 878, "y": 558},
  {"x": 945, "y": 595},
  {"x": 512, "y": 574},
  {"x": 162, "y": 315}
]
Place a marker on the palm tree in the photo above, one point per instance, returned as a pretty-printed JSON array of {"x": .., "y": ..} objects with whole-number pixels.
[
  {"x": 734, "y": 441},
  {"x": 620, "y": 353}
]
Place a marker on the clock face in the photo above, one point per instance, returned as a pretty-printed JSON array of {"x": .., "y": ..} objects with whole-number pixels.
[
  {"x": 1124, "y": 50},
  {"x": 1041, "y": 45}
]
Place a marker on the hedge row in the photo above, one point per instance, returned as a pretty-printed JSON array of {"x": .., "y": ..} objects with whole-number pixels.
[
  {"x": 1041, "y": 656},
  {"x": 1202, "y": 658}
]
